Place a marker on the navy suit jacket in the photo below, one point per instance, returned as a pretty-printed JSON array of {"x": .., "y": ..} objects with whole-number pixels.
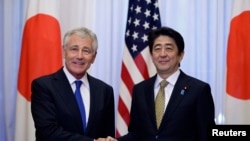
[
  {"x": 56, "y": 115},
  {"x": 188, "y": 117}
]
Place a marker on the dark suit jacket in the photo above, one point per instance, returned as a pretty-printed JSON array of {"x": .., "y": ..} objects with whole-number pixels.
[
  {"x": 56, "y": 115},
  {"x": 188, "y": 116}
]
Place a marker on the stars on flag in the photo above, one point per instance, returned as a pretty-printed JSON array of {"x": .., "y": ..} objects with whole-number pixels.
[{"x": 142, "y": 16}]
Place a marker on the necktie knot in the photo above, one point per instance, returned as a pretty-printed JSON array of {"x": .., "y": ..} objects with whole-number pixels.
[
  {"x": 78, "y": 84},
  {"x": 163, "y": 83}
]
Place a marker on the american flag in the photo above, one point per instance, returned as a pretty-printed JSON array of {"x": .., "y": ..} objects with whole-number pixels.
[{"x": 143, "y": 15}]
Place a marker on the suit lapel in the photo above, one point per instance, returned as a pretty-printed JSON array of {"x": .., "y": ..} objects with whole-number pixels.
[
  {"x": 94, "y": 91},
  {"x": 67, "y": 97},
  {"x": 176, "y": 97},
  {"x": 149, "y": 95}
]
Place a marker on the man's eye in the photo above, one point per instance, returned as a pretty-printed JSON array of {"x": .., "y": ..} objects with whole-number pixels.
[
  {"x": 157, "y": 49},
  {"x": 87, "y": 51},
  {"x": 73, "y": 49}
]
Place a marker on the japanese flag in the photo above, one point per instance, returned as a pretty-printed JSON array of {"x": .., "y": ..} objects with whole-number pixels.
[
  {"x": 41, "y": 53},
  {"x": 237, "y": 109}
]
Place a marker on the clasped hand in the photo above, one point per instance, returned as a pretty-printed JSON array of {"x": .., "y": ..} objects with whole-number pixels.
[{"x": 109, "y": 138}]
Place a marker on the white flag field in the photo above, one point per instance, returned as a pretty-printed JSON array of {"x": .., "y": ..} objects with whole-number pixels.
[{"x": 237, "y": 99}]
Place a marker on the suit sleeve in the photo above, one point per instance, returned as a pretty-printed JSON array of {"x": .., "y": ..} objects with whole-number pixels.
[
  {"x": 205, "y": 113},
  {"x": 44, "y": 111},
  {"x": 109, "y": 119}
]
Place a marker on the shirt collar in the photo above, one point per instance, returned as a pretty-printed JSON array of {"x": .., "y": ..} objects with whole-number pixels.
[
  {"x": 72, "y": 79},
  {"x": 171, "y": 79}
]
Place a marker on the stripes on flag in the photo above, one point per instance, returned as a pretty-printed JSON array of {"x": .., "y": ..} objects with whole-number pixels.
[{"x": 137, "y": 65}]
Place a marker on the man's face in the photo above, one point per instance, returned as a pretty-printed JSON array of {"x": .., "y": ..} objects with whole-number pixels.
[
  {"x": 79, "y": 55},
  {"x": 165, "y": 55}
]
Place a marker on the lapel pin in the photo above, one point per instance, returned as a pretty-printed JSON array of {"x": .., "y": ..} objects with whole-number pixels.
[{"x": 183, "y": 90}]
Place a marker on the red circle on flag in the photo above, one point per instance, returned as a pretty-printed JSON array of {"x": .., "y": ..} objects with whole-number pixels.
[
  {"x": 238, "y": 58},
  {"x": 41, "y": 51}
]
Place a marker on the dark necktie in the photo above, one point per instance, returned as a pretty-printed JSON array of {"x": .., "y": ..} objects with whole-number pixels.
[
  {"x": 160, "y": 103},
  {"x": 80, "y": 103}
]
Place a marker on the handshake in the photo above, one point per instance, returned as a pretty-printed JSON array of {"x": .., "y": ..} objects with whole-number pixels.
[{"x": 109, "y": 138}]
